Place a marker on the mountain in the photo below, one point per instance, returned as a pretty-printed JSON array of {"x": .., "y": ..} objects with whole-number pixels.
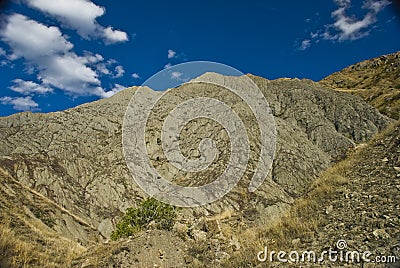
[
  {"x": 354, "y": 201},
  {"x": 376, "y": 80},
  {"x": 64, "y": 176}
]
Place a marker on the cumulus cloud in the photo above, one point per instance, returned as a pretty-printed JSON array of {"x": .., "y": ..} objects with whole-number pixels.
[
  {"x": 93, "y": 58},
  {"x": 107, "y": 68},
  {"x": 114, "y": 36},
  {"x": 117, "y": 88},
  {"x": 136, "y": 76},
  {"x": 119, "y": 71},
  {"x": 171, "y": 54},
  {"x": 103, "y": 69},
  {"x": 347, "y": 27},
  {"x": 29, "y": 87},
  {"x": 69, "y": 72},
  {"x": 81, "y": 16},
  {"x": 32, "y": 40},
  {"x": 167, "y": 65},
  {"x": 50, "y": 54},
  {"x": 20, "y": 103}
]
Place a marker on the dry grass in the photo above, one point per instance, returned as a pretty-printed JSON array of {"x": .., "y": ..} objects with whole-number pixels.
[
  {"x": 304, "y": 218},
  {"x": 26, "y": 240},
  {"x": 35, "y": 249},
  {"x": 13, "y": 253},
  {"x": 377, "y": 82},
  {"x": 301, "y": 221}
]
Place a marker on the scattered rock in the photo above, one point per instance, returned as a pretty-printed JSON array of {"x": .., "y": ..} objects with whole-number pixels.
[
  {"x": 75, "y": 159},
  {"x": 234, "y": 243},
  {"x": 380, "y": 234},
  {"x": 329, "y": 209},
  {"x": 161, "y": 253},
  {"x": 296, "y": 242},
  {"x": 214, "y": 226},
  {"x": 180, "y": 228},
  {"x": 198, "y": 235}
]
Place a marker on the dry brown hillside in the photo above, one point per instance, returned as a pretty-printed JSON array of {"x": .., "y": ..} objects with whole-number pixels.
[
  {"x": 376, "y": 80},
  {"x": 357, "y": 200}
]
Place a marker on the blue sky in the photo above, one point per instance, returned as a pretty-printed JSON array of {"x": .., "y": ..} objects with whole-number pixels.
[{"x": 56, "y": 54}]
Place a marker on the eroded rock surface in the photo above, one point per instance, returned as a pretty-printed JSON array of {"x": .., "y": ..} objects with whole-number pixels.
[{"x": 75, "y": 157}]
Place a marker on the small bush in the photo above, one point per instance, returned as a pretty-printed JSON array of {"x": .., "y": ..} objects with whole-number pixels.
[{"x": 135, "y": 219}]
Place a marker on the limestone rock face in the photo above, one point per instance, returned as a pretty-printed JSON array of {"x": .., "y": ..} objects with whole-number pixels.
[{"x": 75, "y": 157}]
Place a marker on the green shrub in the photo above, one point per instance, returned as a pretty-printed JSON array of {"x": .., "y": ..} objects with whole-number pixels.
[{"x": 136, "y": 219}]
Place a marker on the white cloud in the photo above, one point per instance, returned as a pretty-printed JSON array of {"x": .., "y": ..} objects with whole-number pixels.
[
  {"x": 114, "y": 36},
  {"x": 314, "y": 35},
  {"x": 31, "y": 40},
  {"x": 2, "y": 52},
  {"x": 50, "y": 54},
  {"x": 20, "y": 104},
  {"x": 29, "y": 87},
  {"x": 349, "y": 27},
  {"x": 106, "y": 68},
  {"x": 117, "y": 88},
  {"x": 81, "y": 16},
  {"x": 111, "y": 61},
  {"x": 93, "y": 58},
  {"x": 171, "y": 54},
  {"x": 167, "y": 65},
  {"x": 103, "y": 69},
  {"x": 69, "y": 72},
  {"x": 119, "y": 71},
  {"x": 305, "y": 44},
  {"x": 136, "y": 75},
  {"x": 176, "y": 75},
  {"x": 375, "y": 6}
]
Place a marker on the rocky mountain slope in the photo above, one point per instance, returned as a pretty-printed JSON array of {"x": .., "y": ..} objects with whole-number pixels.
[
  {"x": 365, "y": 210},
  {"x": 376, "y": 80},
  {"x": 356, "y": 201},
  {"x": 35, "y": 230},
  {"x": 67, "y": 169}
]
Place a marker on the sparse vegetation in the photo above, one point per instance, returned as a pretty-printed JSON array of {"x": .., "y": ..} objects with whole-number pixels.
[
  {"x": 41, "y": 215},
  {"x": 10, "y": 248},
  {"x": 300, "y": 221},
  {"x": 48, "y": 222},
  {"x": 149, "y": 211},
  {"x": 304, "y": 220},
  {"x": 377, "y": 83},
  {"x": 46, "y": 251}
]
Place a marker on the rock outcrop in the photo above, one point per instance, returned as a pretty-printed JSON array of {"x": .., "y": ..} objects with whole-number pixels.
[
  {"x": 376, "y": 80},
  {"x": 75, "y": 157}
]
